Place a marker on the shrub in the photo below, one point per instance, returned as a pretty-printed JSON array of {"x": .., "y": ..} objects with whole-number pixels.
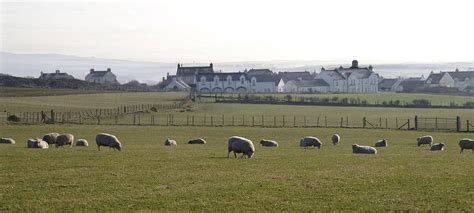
[
  {"x": 13, "y": 118},
  {"x": 421, "y": 103},
  {"x": 469, "y": 104}
]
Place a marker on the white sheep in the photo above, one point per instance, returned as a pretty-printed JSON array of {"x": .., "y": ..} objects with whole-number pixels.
[
  {"x": 197, "y": 141},
  {"x": 427, "y": 139},
  {"x": 381, "y": 143},
  {"x": 7, "y": 141},
  {"x": 437, "y": 147},
  {"x": 242, "y": 145},
  {"x": 170, "y": 142},
  {"x": 310, "y": 141},
  {"x": 64, "y": 139},
  {"x": 363, "y": 149},
  {"x": 37, "y": 144},
  {"x": 335, "y": 139},
  {"x": 104, "y": 139},
  {"x": 51, "y": 138},
  {"x": 82, "y": 142},
  {"x": 269, "y": 143},
  {"x": 466, "y": 143}
]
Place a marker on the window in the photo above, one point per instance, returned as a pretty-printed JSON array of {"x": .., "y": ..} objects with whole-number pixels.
[
  {"x": 229, "y": 80},
  {"x": 216, "y": 80},
  {"x": 253, "y": 81},
  {"x": 242, "y": 80}
]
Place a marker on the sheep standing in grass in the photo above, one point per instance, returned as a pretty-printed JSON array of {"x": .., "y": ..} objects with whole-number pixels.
[
  {"x": 438, "y": 147},
  {"x": 197, "y": 141},
  {"x": 51, "y": 138},
  {"x": 104, "y": 139},
  {"x": 170, "y": 142},
  {"x": 381, "y": 143},
  {"x": 37, "y": 144},
  {"x": 242, "y": 145},
  {"x": 82, "y": 142},
  {"x": 335, "y": 139},
  {"x": 7, "y": 141},
  {"x": 466, "y": 143},
  {"x": 427, "y": 139},
  {"x": 363, "y": 149},
  {"x": 269, "y": 143},
  {"x": 64, "y": 139},
  {"x": 309, "y": 141}
]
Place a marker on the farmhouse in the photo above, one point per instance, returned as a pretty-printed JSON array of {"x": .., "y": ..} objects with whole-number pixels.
[
  {"x": 353, "y": 79},
  {"x": 58, "y": 75},
  {"x": 102, "y": 77},
  {"x": 462, "y": 80}
]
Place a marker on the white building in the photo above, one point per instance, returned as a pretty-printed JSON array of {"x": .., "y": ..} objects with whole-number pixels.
[
  {"x": 235, "y": 82},
  {"x": 102, "y": 77},
  {"x": 306, "y": 86},
  {"x": 462, "y": 80},
  {"x": 58, "y": 75},
  {"x": 354, "y": 79}
]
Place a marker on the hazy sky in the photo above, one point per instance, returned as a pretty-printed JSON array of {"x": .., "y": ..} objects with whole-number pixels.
[{"x": 243, "y": 30}]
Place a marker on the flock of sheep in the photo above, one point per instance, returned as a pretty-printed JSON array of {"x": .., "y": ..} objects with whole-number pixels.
[{"x": 236, "y": 144}]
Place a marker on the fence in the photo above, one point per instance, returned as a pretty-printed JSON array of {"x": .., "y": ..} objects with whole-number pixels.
[{"x": 145, "y": 116}]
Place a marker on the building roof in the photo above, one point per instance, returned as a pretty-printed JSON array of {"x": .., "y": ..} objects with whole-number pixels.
[
  {"x": 98, "y": 74},
  {"x": 264, "y": 78},
  {"x": 434, "y": 78},
  {"x": 222, "y": 76},
  {"x": 387, "y": 83},
  {"x": 309, "y": 83},
  {"x": 288, "y": 76},
  {"x": 410, "y": 85},
  {"x": 260, "y": 72},
  {"x": 462, "y": 75},
  {"x": 196, "y": 70}
]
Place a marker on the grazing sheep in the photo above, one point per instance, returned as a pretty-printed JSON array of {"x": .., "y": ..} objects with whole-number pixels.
[
  {"x": 104, "y": 139},
  {"x": 466, "y": 143},
  {"x": 37, "y": 144},
  {"x": 242, "y": 145},
  {"x": 335, "y": 139},
  {"x": 269, "y": 143},
  {"x": 82, "y": 142},
  {"x": 197, "y": 141},
  {"x": 7, "y": 141},
  {"x": 51, "y": 138},
  {"x": 309, "y": 141},
  {"x": 363, "y": 149},
  {"x": 64, "y": 139},
  {"x": 169, "y": 142},
  {"x": 381, "y": 143},
  {"x": 437, "y": 147},
  {"x": 427, "y": 139}
]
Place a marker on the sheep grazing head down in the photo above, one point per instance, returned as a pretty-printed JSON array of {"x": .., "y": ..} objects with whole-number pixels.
[{"x": 249, "y": 153}]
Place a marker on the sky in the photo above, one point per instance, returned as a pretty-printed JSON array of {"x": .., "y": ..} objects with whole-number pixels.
[{"x": 242, "y": 30}]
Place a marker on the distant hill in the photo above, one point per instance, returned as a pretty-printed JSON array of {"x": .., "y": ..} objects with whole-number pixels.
[{"x": 31, "y": 65}]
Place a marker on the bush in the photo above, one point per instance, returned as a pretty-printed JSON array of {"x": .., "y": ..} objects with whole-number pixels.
[
  {"x": 469, "y": 104},
  {"x": 421, "y": 103},
  {"x": 13, "y": 118}
]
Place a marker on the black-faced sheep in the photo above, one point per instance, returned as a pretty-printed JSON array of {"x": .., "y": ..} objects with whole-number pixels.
[
  {"x": 466, "y": 143},
  {"x": 437, "y": 147},
  {"x": 104, "y": 139},
  {"x": 197, "y": 141},
  {"x": 51, "y": 138},
  {"x": 309, "y": 141},
  {"x": 242, "y": 145},
  {"x": 82, "y": 142},
  {"x": 363, "y": 149},
  {"x": 170, "y": 142},
  {"x": 335, "y": 139},
  {"x": 64, "y": 139},
  {"x": 381, "y": 143},
  {"x": 7, "y": 141},
  {"x": 269, "y": 143},
  {"x": 427, "y": 139}
]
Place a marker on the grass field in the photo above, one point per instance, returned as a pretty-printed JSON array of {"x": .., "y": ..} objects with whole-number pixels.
[
  {"x": 29, "y": 92},
  {"x": 147, "y": 175}
]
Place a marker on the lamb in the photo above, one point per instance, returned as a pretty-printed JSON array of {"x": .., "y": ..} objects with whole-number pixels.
[
  {"x": 466, "y": 143},
  {"x": 197, "y": 141},
  {"x": 64, "y": 139},
  {"x": 381, "y": 143},
  {"x": 427, "y": 139},
  {"x": 438, "y": 147},
  {"x": 170, "y": 142},
  {"x": 335, "y": 139},
  {"x": 104, "y": 139},
  {"x": 82, "y": 142},
  {"x": 7, "y": 141},
  {"x": 269, "y": 143},
  {"x": 242, "y": 145},
  {"x": 363, "y": 149},
  {"x": 309, "y": 141},
  {"x": 51, "y": 138},
  {"x": 37, "y": 144}
]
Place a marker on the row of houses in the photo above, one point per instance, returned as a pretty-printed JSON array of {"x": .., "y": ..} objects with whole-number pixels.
[
  {"x": 353, "y": 79},
  {"x": 102, "y": 77}
]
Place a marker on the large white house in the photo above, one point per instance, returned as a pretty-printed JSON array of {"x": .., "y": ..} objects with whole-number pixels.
[
  {"x": 462, "y": 80},
  {"x": 102, "y": 77},
  {"x": 354, "y": 79},
  {"x": 235, "y": 82}
]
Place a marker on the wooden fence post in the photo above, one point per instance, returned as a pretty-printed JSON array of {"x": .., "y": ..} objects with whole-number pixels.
[
  {"x": 467, "y": 125},
  {"x": 342, "y": 121},
  {"x": 283, "y": 120},
  {"x": 294, "y": 120},
  {"x": 317, "y": 123},
  {"x": 223, "y": 119},
  {"x": 263, "y": 121},
  {"x": 326, "y": 121},
  {"x": 458, "y": 124},
  {"x": 416, "y": 122},
  {"x": 364, "y": 122}
]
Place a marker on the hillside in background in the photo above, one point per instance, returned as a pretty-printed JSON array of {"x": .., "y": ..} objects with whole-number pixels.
[{"x": 30, "y": 65}]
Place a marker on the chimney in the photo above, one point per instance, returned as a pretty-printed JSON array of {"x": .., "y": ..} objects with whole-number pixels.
[
  {"x": 371, "y": 68},
  {"x": 179, "y": 65},
  {"x": 163, "y": 78},
  {"x": 91, "y": 71},
  {"x": 355, "y": 64},
  {"x": 109, "y": 70},
  {"x": 212, "y": 66},
  {"x": 167, "y": 75},
  {"x": 57, "y": 71},
  {"x": 457, "y": 69}
]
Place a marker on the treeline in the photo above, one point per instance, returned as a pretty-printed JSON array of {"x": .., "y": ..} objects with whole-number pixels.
[{"x": 335, "y": 101}]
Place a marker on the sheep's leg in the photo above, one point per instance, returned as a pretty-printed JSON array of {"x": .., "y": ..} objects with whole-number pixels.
[
  {"x": 98, "y": 146},
  {"x": 228, "y": 154},
  {"x": 461, "y": 150},
  {"x": 235, "y": 155}
]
